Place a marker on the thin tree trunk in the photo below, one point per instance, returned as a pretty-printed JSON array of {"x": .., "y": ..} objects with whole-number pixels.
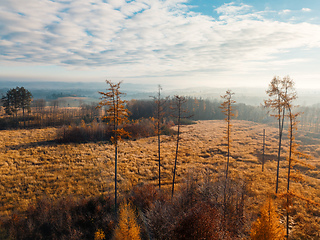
[
  {"x": 115, "y": 177},
  {"x": 177, "y": 147},
  {"x": 228, "y": 135},
  {"x": 24, "y": 119},
  {"x": 263, "y": 146},
  {"x": 279, "y": 148},
  {"x": 159, "y": 152},
  {"x": 289, "y": 171}
]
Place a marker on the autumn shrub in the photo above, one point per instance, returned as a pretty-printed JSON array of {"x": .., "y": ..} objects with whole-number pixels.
[
  {"x": 151, "y": 214},
  {"x": 201, "y": 221},
  {"x": 196, "y": 214},
  {"x": 103, "y": 132},
  {"x": 66, "y": 219},
  {"x": 84, "y": 133},
  {"x": 141, "y": 128}
]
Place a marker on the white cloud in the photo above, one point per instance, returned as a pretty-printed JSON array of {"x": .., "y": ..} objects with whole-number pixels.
[
  {"x": 232, "y": 9},
  {"x": 285, "y": 11},
  {"x": 306, "y": 10},
  {"x": 145, "y": 38}
]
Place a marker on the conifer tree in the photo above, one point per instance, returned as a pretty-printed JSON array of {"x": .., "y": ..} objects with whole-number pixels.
[
  {"x": 128, "y": 228},
  {"x": 25, "y": 98},
  {"x": 280, "y": 92},
  {"x": 15, "y": 99},
  {"x": 268, "y": 226},
  {"x": 116, "y": 114}
]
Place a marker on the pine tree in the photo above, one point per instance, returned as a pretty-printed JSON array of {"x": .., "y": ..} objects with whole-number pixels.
[
  {"x": 116, "y": 114},
  {"x": 268, "y": 226},
  {"x": 25, "y": 98},
  {"x": 15, "y": 99}
]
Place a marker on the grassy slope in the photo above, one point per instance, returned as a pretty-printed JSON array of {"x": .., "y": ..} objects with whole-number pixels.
[{"x": 31, "y": 167}]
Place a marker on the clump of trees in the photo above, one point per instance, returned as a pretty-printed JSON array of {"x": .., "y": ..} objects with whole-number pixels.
[{"x": 17, "y": 99}]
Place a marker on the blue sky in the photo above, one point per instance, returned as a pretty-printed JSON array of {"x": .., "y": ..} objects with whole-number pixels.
[{"x": 240, "y": 43}]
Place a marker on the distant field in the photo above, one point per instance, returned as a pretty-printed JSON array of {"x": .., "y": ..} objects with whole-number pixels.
[{"x": 32, "y": 165}]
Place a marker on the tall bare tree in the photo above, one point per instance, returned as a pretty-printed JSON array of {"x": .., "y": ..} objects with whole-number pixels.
[
  {"x": 280, "y": 92},
  {"x": 116, "y": 114},
  {"x": 159, "y": 116},
  {"x": 178, "y": 109},
  {"x": 227, "y": 109}
]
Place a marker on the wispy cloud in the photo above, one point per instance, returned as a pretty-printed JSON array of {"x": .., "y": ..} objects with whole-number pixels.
[
  {"x": 145, "y": 37},
  {"x": 285, "y": 11}
]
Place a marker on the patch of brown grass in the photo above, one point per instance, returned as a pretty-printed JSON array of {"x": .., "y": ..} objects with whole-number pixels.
[{"x": 33, "y": 165}]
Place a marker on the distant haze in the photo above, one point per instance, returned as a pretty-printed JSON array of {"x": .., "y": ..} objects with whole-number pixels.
[{"x": 250, "y": 96}]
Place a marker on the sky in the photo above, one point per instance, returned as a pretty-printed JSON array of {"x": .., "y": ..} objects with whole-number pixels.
[{"x": 181, "y": 43}]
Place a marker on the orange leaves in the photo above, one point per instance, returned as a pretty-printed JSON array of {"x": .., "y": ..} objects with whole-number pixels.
[
  {"x": 268, "y": 226},
  {"x": 116, "y": 113},
  {"x": 128, "y": 228}
]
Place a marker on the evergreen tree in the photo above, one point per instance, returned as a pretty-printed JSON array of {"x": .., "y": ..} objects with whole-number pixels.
[{"x": 15, "y": 99}]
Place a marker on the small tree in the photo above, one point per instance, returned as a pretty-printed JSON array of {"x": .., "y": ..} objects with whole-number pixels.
[
  {"x": 116, "y": 114},
  {"x": 128, "y": 228},
  {"x": 268, "y": 226}
]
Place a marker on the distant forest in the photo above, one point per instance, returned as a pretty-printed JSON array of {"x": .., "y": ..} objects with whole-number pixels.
[{"x": 55, "y": 112}]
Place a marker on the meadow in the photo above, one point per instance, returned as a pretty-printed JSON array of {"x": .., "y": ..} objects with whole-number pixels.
[{"x": 33, "y": 165}]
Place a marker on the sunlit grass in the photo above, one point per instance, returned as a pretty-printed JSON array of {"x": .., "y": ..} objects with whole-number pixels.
[{"x": 33, "y": 165}]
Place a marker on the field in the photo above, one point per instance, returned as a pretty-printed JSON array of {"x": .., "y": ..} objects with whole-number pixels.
[{"x": 33, "y": 165}]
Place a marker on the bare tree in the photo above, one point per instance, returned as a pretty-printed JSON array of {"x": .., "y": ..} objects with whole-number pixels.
[
  {"x": 227, "y": 109},
  {"x": 178, "y": 113},
  {"x": 263, "y": 147},
  {"x": 159, "y": 116}
]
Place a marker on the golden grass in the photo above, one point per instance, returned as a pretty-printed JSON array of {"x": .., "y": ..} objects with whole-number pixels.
[{"x": 32, "y": 165}]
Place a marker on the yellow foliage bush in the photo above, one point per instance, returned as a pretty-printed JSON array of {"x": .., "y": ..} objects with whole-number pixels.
[{"x": 99, "y": 235}]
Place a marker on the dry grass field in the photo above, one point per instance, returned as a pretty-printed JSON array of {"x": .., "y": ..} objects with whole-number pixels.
[{"x": 33, "y": 165}]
